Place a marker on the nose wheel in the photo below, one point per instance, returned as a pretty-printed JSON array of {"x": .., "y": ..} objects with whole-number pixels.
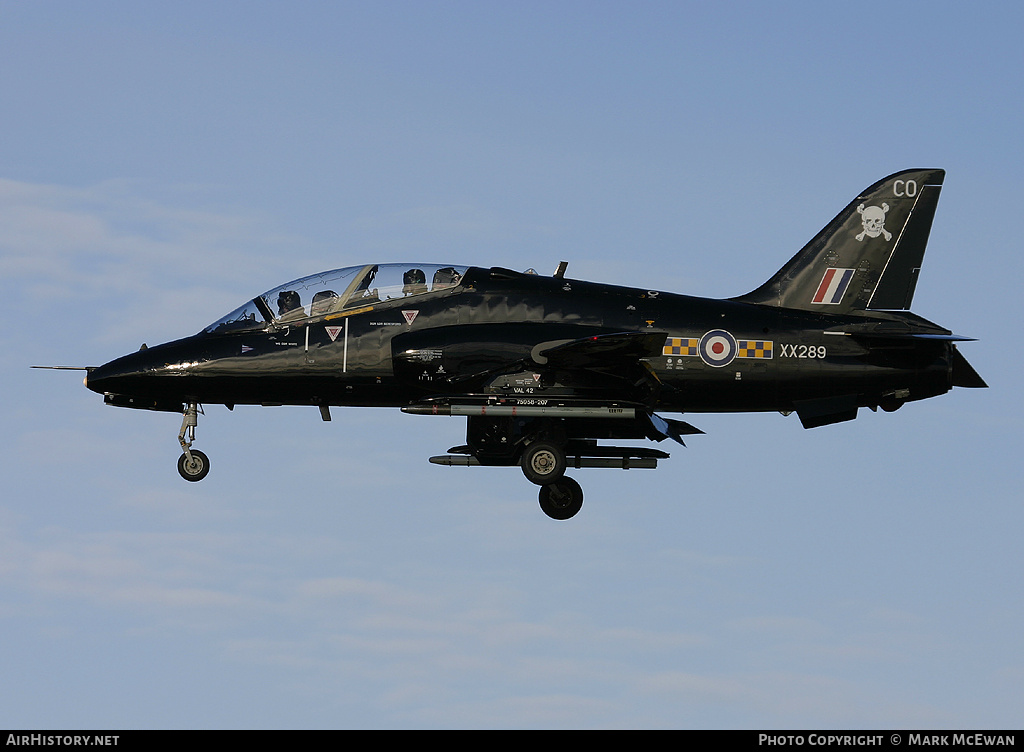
[{"x": 193, "y": 465}]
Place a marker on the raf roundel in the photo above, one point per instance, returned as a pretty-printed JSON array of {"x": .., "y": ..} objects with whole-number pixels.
[{"x": 717, "y": 348}]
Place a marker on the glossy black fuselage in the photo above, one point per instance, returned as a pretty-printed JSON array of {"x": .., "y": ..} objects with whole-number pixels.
[{"x": 481, "y": 337}]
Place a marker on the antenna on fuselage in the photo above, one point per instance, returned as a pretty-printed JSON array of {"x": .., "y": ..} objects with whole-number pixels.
[{"x": 560, "y": 271}]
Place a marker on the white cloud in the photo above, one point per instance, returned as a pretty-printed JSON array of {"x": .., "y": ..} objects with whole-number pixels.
[{"x": 134, "y": 264}]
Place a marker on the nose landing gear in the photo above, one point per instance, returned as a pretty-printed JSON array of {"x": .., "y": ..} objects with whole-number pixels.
[{"x": 193, "y": 465}]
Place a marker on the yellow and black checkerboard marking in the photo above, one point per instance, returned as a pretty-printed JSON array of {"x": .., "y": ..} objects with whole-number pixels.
[
  {"x": 753, "y": 348},
  {"x": 745, "y": 348},
  {"x": 680, "y": 346}
]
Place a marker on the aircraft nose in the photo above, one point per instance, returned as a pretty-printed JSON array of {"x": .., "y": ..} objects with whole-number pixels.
[
  {"x": 149, "y": 378},
  {"x": 134, "y": 373},
  {"x": 115, "y": 376}
]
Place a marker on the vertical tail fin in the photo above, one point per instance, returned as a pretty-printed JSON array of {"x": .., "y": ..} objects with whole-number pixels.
[{"x": 869, "y": 256}]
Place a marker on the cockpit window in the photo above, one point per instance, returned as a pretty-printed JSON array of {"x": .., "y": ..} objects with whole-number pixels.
[{"x": 339, "y": 290}]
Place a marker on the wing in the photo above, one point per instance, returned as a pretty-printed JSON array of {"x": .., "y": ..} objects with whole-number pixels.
[
  {"x": 607, "y": 359},
  {"x": 592, "y": 365},
  {"x": 600, "y": 351}
]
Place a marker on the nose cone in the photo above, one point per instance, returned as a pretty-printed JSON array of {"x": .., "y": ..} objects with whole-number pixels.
[
  {"x": 122, "y": 375},
  {"x": 155, "y": 373}
]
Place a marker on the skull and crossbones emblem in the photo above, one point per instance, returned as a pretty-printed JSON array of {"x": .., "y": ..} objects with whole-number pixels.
[{"x": 873, "y": 219}]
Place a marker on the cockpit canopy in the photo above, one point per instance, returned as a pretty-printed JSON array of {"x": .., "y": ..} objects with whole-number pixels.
[{"x": 339, "y": 290}]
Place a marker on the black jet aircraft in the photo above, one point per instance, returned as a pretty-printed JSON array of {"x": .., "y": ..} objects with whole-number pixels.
[{"x": 545, "y": 368}]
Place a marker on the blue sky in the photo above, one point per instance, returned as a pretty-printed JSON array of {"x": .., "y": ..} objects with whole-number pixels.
[{"x": 161, "y": 163}]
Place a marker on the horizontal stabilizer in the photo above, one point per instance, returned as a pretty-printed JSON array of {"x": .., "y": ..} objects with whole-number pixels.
[
  {"x": 945, "y": 337},
  {"x": 866, "y": 333}
]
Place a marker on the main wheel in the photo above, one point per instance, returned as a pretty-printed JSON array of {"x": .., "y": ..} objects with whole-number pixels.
[
  {"x": 562, "y": 499},
  {"x": 196, "y": 469},
  {"x": 543, "y": 463}
]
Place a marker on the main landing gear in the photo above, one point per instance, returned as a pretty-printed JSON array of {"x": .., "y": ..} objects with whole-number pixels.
[
  {"x": 193, "y": 465},
  {"x": 562, "y": 499},
  {"x": 544, "y": 463},
  {"x": 544, "y": 456}
]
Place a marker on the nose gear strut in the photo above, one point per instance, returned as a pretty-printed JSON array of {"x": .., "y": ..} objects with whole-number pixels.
[{"x": 193, "y": 465}]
